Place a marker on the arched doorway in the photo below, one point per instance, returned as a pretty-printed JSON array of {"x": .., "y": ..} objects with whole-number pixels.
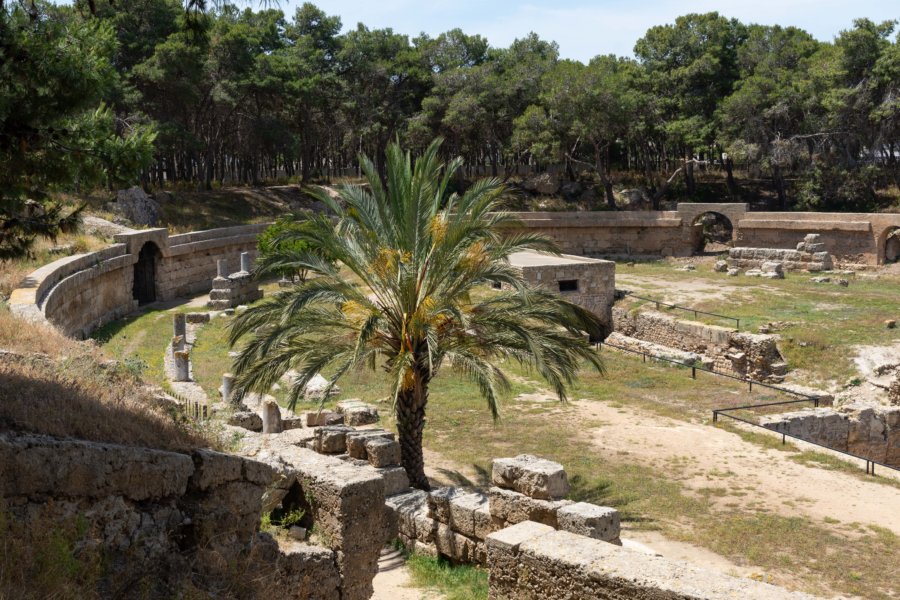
[
  {"x": 892, "y": 245},
  {"x": 144, "y": 290},
  {"x": 713, "y": 232}
]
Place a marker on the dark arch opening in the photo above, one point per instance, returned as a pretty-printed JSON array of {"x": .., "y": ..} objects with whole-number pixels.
[
  {"x": 892, "y": 246},
  {"x": 144, "y": 290},
  {"x": 713, "y": 232}
]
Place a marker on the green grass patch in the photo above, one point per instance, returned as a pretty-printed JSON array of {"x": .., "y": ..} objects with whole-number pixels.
[{"x": 453, "y": 582}]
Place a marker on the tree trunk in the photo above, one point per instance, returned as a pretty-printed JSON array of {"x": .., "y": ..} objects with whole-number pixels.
[
  {"x": 689, "y": 177},
  {"x": 410, "y": 424},
  {"x": 729, "y": 172}
]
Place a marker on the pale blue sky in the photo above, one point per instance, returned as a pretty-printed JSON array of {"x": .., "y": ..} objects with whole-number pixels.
[{"x": 584, "y": 29}]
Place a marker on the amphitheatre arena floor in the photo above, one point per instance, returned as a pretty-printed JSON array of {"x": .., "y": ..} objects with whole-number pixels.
[{"x": 641, "y": 437}]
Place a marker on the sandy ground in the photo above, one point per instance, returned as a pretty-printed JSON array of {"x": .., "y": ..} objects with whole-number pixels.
[
  {"x": 752, "y": 477},
  {"x": 392, "y": 581},
  {"x": 679, "y": 291}
]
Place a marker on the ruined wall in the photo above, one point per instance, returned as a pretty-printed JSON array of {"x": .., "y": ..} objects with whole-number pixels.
[
  {"x": 868, "y": 431},
  {"x": 162, "y": 519},
  {"x": 79, "y": 293},
  {"x": 732, "y": 352}
]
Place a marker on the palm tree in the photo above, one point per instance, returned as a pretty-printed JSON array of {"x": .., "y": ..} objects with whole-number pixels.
[{"x": 421, "y": 253}]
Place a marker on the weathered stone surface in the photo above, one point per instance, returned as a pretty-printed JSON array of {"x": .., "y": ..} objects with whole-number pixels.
[
  {"x": 721, "y": 266},
  {"x": 357, "y": 413},
  {"x": 439, "y": 502},
  {"x": 271, "y": 417},
  {"x": 322, "y": 418},
  {"x": 383, "y": 452},
  {"x": 470, "y": 515},
  {"x": 331, "y": 439},
  {"x": 356, "y": 441},
  {"x": 246, "y": 420},
  {"x": 529, "y": 564},
  {"x": 512, "y": 507},
  {"x": 535, "y": 477},
  {"x": 316, "y": 388},
  {"x": 598, "y": 522},
  {"x": 396, "y": 480},
  {"x": 135, "y": 205}
]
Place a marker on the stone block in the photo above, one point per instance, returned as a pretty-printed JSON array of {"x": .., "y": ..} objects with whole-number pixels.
[
  {"x": 322, "y": 418},
  {"x": 511, "y": 538},
  {"x": 598, "y": 522},
  {"x": 535, "y": 477},
  {"x": 470, "y": 515},
  {"x": 356, "y": 441},
  {"x": 512, "y": 507},
  {"x": 396, "y": 480},
  {"x": 383, "y": 452},
  {"x": 197, "y": 317},
  {"x": 357, "y": 413},
  {"x": 246, "y": 420},
  {"x": 439, "y": 502},
  {"x": 409, "y": 506},
  {"x": 331, "y": 440}
]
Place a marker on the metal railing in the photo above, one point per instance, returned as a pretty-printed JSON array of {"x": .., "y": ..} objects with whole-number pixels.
[
  {"x": 737, "y": 321},
  {"x": 870, "y": 464},
  {"x": 815, "y": 400},
  {"x": 694, "y": 368}
]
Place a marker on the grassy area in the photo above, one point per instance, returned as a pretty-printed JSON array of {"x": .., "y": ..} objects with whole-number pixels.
[
  {"x": 452, "y": 582},
  {"x": 141, "y": 339},
  {"x": 824, "y": 321}
]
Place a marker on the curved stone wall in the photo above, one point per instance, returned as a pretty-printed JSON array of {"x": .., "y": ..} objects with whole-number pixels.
[{"x": 79, "y": 293}]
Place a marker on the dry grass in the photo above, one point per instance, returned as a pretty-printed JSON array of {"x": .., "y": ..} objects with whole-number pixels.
[
  {"x": 12, "y": 272},
  {"x": 53, "y": 385}
]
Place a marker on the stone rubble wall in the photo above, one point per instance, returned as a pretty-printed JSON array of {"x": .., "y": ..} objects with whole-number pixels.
[
  {"x": 810, "y": 255},
  {"x": 232, "y": 291},
  {"x": 79, "y": 293},
  {"x": 871, "y": 432},
  {"x": 741, "y": 354},
  {"x": 533, "y": 561},
  {"x": 162, "y": 518}
]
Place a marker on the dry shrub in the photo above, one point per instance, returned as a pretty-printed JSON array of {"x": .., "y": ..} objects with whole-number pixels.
[{"x": 78, "y": 396}]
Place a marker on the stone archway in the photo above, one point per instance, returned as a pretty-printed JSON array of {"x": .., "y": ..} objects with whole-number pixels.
[
  {"x": 891, "y": 252},
  {"x": 712, "y": 230},
  {"x": 144, "y": 288}
]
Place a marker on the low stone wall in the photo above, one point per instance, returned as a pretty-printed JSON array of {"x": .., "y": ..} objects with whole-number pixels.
[
  {"x": 161, "y": 519},
  {"x": 871, "y": 432},
  {"x": 722, "y": 349},
  {"x": 532, "y": 561},
  {"x": 79, "y": 293}
]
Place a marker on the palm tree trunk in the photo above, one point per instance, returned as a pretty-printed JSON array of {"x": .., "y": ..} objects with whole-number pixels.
[{"x": 410, "y": 424}]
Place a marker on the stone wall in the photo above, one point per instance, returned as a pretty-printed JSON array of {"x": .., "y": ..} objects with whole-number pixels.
[
  {"x": 725, "y": 350},
  {"x": 532, "y": 561},
  {"x": 871, "y": 432},
  {"x": 163, "y": 520},
  {"x": 853, "y": 238},
  {"x": 79, "y": 293}
]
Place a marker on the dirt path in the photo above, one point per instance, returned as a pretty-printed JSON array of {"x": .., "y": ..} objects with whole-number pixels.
[
  {"x": 392, "y": 581},
  {"x": 743, "y": 475}
]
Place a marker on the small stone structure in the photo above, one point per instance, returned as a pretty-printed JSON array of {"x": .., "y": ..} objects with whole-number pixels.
[
  {"x": 588, "y": 282},
  {"x": 722, "y": 349},
  {"x": 230, "y": 291},
  {"x": 871, "y": 432},
  {"x": 810, "y": 255}
]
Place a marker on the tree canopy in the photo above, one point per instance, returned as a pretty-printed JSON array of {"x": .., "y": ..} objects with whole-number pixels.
[{"x": 241, "y": 95}]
